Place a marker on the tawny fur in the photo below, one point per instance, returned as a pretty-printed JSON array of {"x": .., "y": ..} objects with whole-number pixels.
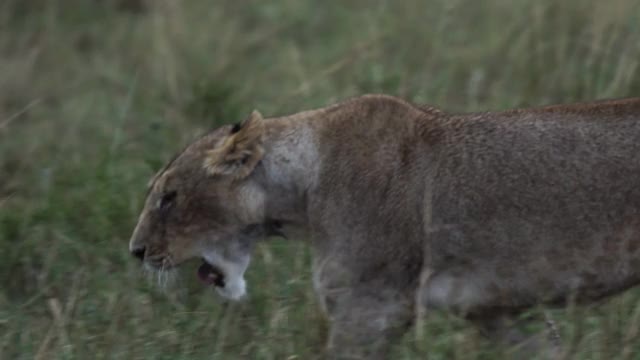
[{"x": 483, "y": 214}]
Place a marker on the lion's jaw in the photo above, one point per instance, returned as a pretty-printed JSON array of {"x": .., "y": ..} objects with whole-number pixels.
[{"x": 234, "y": 286}]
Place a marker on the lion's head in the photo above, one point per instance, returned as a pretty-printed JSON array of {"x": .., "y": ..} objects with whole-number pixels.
[{"x": 204, "y": 204}]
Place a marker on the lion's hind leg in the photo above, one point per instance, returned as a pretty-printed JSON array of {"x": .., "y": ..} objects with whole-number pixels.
[{"x": 471, "y": 292}]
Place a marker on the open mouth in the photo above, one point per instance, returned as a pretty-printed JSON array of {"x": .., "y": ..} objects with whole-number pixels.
[{"x": 211, "y": 275}]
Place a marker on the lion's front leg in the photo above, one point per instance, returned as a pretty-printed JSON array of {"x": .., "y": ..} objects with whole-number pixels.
[{"x": 365, "y": 326}]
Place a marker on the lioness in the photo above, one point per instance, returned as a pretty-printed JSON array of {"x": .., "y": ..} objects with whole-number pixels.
[{"x": 408, "y": 208}]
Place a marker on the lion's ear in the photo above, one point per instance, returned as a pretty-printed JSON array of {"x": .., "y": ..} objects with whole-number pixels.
[{"x": 238, "y": 153}]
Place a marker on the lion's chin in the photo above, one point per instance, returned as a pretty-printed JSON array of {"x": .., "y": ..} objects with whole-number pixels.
[{"x": 234, "y": 289}]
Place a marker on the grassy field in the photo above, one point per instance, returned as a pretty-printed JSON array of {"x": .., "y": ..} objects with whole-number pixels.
[{"x": 96, "y": 94}]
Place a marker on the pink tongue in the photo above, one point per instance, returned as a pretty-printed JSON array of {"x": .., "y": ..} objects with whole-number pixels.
[{"x": 210, "y": 276}]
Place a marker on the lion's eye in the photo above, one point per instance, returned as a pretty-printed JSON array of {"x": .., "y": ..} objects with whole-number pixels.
[{"x": 167, "y": 200}]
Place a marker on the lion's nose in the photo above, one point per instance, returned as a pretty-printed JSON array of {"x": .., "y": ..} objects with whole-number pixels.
[{"x": 138, "y": 252}]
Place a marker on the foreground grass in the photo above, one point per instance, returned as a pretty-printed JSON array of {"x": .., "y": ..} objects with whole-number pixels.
[{"x": 96, "y": 95}]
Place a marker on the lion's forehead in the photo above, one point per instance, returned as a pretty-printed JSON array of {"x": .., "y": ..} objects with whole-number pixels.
[{"x": 159, "y": 180}]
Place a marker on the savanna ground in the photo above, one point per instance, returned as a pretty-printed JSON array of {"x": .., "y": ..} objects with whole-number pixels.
[{"x": 96, "y": 94}]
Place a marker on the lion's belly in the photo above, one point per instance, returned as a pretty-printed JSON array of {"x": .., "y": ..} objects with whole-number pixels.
[
  {"x": 477, "y": 291},
  {"x": 516, "y": 269}
]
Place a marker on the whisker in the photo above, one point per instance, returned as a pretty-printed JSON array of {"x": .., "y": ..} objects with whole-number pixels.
[
  {"x": 171, "y": 273},
  {"x": 164, "y": 276},
  {"x": 161, "y": 278}
]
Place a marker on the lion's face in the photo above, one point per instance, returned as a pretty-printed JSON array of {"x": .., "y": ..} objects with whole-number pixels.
[{"x": 204, "y": 205}]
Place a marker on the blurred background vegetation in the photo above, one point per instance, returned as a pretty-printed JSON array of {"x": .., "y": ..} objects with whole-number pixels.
[{"x": 96, "y": 94}]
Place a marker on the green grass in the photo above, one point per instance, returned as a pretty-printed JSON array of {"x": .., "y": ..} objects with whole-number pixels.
[{"x": 96, "y": 95}]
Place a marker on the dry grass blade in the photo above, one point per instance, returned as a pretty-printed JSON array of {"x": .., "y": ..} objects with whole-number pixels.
[
  {"x": 58, "y": 324},
  {"x": 4, "y": 200},
  {"x": 361, "y": 50},
  {"x": 43, "y": 349},
  {"x": 631, "y": 336},
  {"x": 58, "y": 318},
  {"x": 5, "y": 123}
]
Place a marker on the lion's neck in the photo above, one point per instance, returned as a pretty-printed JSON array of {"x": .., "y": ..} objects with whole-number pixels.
[{"x": 288, "y": 171}]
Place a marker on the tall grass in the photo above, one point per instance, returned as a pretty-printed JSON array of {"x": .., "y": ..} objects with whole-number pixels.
[{"x": 96, "y": 95}]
